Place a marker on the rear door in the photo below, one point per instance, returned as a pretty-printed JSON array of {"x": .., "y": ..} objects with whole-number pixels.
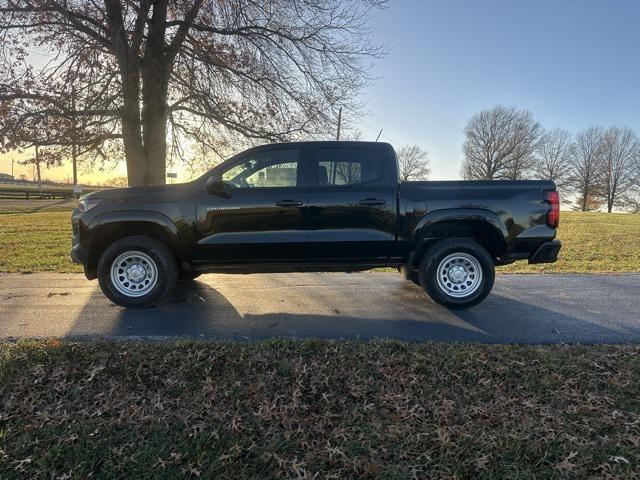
[
  {"x": 261, "y": 216},
  {"x": 351, "y": 215}
]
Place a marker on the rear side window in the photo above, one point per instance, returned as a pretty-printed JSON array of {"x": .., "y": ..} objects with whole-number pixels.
[{"x": 347, "y": 166}]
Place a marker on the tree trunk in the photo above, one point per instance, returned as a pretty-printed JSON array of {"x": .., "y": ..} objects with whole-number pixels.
[
  {"x": 38, "y": 168},
  {"x": 154, "y": 124},
  {"x": 130, "y": 76},
  {"x": 134, "y": 152},
  {"x": 131, "y": 135},
  {"x": 585, "y": 194},
  {"x": 145, "y": 141},
  {"x": 155, "y": 85}
]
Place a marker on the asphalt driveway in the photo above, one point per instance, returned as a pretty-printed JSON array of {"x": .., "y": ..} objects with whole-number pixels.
[{"x": 522, "y": 308}]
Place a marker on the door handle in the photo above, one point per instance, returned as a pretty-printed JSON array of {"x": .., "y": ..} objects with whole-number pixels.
[
  {"x": 289, "y": 203},
  {"x": 370, "y": 202}
]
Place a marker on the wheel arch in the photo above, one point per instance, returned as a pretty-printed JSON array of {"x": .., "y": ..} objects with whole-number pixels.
[
  {"x": 108, "y": 228},
  {"x": 481, "y": 225}
]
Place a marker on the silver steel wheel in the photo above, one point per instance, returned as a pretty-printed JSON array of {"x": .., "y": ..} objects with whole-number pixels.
[
  {"x": 134, "y": 273},
  {"x": 459, "y": 275}
]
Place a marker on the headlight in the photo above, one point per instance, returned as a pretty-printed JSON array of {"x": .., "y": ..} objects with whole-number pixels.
[{"x": 86, "y": 204}]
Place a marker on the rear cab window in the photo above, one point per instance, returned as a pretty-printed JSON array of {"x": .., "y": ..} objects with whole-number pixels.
[{"x": 342, "y": 166}]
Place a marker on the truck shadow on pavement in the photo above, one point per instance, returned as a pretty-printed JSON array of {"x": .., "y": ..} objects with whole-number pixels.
[{"x": 197, "y": 311}]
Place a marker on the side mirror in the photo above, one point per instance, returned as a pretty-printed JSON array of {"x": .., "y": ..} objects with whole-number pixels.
[{"x": 216, "y": 186}]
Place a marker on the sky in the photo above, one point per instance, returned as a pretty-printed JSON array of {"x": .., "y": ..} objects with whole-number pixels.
[{"x": 572, "y": 63}]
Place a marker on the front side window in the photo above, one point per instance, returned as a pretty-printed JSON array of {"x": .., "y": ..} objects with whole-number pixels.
[
  {"x": 347, "y": 166},
  {"x": 267, "y": 169}
]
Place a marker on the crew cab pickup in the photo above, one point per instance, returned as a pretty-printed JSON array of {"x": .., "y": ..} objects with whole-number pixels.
[{"x": 313, "y": 206}]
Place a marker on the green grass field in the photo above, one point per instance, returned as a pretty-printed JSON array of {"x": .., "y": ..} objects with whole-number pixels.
[
  {"x": 36, "y": 242},
  {"x": 33, "y": 206},
  {"x": 592, "y": 243},
  {"x": 336, "y": 410}
]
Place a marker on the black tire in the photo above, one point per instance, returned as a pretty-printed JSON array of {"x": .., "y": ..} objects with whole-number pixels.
[
  {"x": 440, "y": 251},
  {"x": 409, "y": 274},
  {"x": 166, "y": 271},
  {"x": 188, "y": 275}
]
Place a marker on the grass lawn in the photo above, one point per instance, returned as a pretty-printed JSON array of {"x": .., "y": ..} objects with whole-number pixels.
[
  {"x": 592, "y": 243},
  {"x": 13, "y": 205},
  {"x": 339, "y": 410},
  {"x": 36, "y": 242}
]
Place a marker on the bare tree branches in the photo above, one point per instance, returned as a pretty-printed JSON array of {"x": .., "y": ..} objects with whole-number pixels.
[
  {"x": 413, "y": 163},
  {"x": 183, "y": 76},
  {"x": 599, "y": 166},
  {"x": 586, "y": 166},
  {"x": 499, "y": 144},
  {"x": 620, "y": 159},
  {"x": 553, "y": 156}
]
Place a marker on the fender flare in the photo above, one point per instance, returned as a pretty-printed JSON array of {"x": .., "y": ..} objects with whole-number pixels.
[
  {"x": 480, "y": 215},
  {"x": 106, "y": 219}
]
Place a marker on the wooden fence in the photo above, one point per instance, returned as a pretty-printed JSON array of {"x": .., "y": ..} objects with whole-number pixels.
[{"x": 32, "y": 193}]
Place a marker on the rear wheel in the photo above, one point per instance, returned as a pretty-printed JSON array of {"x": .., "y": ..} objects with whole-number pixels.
[
  {"x": 137, "y": 271},
  {"x": 457, "y": 272}
]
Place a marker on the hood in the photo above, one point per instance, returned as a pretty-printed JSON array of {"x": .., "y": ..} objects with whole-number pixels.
[{"x": 142, "y": 193}]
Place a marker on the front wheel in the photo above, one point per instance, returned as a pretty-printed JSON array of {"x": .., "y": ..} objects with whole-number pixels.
[
  {"x": 137, "y": 272},
  {"x": 457, "y": 273}
]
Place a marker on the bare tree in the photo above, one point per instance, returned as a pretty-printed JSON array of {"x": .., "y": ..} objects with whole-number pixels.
[
  {"x": 413, "y": 163},
  {"x": 620, "y": 157},
  {"x": 157, "y": 79},
  {"x": 353, "y": 135},
  {"x": 553, "y": 156},
  {"x": 586, "y": 167},
  {"x": 632, "y": 200},
  {"x": 499, "y": 144}
]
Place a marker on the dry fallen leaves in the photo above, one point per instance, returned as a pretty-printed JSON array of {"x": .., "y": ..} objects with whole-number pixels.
[
  {"x": 566, "y": 465},
  {"x": 317, "y": 410}
]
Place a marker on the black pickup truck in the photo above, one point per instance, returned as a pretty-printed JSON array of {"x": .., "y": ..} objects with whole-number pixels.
[{"x": 313, "y": 206}]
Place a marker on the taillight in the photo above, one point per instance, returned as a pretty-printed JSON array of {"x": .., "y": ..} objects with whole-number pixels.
[{"x": 552, "y": 217}]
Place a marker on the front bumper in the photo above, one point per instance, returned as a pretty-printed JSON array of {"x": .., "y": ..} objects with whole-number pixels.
[
  {"x": 547, "y": 252},
  {"x": 79, "y": 253}
]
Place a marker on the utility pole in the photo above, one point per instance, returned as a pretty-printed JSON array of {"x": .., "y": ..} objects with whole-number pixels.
[
  {"x": 339, "y": 124},
  {"x": 74, "y": 151},
  {"x": 38, "y": 168}
]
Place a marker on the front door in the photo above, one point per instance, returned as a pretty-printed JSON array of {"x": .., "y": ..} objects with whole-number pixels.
[
  {"x": 351, "y": 206},
  {"x": 260, "y": 214}
]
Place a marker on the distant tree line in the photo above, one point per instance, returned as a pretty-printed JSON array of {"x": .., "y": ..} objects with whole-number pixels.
[{"x": 599, "y": 167}]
